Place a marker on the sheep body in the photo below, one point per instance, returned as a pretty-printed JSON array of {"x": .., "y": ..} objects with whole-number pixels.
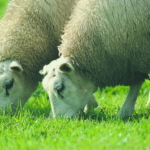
[
  {"x": 29, "y": 35},
  {"x": 105, "y": 43},
  {"x": 30, "y": 32},
  {"x": 110, "y": 46}
]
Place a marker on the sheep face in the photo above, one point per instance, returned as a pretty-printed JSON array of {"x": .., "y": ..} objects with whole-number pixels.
[
  {"x": 13, "y": 79},
  {"x": 68, "y": 91}
]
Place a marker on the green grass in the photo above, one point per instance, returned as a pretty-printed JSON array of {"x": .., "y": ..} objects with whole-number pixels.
[
  {"x": 2, "y": 7},
  {"x": 30, "y": 129}
]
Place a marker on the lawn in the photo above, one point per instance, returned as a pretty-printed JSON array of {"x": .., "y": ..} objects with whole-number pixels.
[{"x": 31, "y": 129}]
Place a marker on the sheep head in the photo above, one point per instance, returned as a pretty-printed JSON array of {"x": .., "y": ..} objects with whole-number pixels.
[
  {"x": 68, "y": 91},
  {"x": 13, "y": 79}
]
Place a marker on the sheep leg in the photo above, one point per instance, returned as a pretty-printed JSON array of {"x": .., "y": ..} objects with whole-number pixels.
[
  {"x": 128, "y": 106},
  {"x": 91, "y": 105}
]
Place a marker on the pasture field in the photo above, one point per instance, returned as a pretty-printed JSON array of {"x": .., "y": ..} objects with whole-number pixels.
[{"x": 31, "y": 129}]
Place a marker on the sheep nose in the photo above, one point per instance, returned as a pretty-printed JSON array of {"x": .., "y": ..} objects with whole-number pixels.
[
  {"x": 8, "y": 84},
  {"x": 59, "y": 87}
]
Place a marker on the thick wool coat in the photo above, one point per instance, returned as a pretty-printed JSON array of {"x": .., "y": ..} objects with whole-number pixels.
[
  {"x": 109, "y": 41},
  {"x": 30, "y": 32}
]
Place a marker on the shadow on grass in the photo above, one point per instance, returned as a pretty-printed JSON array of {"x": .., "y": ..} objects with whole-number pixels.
[
  {"x": 107, "y": 114},
  {"x": 102, "y": 114}
]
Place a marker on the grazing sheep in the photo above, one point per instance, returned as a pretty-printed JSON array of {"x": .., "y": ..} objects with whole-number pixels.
[
  {"x": 29, "y": 35},
  {"x": 105, "y": 43},
  {"x": 66, "y": 104}
]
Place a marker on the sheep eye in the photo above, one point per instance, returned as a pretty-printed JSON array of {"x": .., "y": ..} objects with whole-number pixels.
[{"x": 8, "y": 86}]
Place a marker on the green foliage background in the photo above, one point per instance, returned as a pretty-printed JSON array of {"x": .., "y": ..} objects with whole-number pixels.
[
  {"x": 2, "y": 6},
  {"x": 30, "y": 129}
]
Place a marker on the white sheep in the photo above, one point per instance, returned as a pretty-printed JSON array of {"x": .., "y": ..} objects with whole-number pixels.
[
  {"x": 29, "y": 35},
  {"x": 105, "y": 43}
]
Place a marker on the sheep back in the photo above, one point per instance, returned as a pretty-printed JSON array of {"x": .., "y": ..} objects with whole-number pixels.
[
  {"x": 108, "y": 41},
  {"x": 30, "y": 32}
]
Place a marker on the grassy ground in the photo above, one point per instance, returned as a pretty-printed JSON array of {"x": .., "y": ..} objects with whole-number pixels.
[{"x": 30, "y": 129}]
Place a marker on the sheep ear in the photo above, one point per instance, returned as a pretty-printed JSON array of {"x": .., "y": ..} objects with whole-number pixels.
[
  {"x": 44, "y": 70},
  {"x": 41, "y": 72},
  {"x": 15, "y": 66},
  {"x": 66, "y": 67}
]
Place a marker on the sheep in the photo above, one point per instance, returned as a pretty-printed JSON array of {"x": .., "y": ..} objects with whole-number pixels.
[
  {"x": 61, "y": 104},
  {"x": 105, "y": 43},
  {"x": 29, "y": 35}
]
